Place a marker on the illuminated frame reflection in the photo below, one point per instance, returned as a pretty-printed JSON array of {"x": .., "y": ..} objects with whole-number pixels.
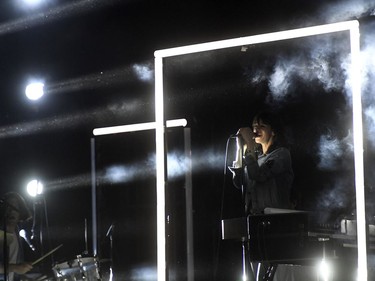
[{"x": 355, "y": 85}]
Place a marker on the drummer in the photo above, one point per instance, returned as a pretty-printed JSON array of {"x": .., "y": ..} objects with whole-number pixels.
[{"x": 14, "y": 211}]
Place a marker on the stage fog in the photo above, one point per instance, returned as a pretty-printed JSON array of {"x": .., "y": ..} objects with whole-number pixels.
[{"x": 304, "y": 81}]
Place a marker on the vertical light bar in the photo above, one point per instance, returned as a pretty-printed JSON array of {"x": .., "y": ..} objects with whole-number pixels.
[
  {"x": 93, "y": 200},
  {"x": 355, "y": 79},
  {"x": 189, "y": 207},
  {"x": 160, "y": 170}
]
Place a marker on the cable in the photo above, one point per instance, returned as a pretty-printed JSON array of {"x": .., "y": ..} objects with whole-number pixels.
[{"x": 216, "y": 257}]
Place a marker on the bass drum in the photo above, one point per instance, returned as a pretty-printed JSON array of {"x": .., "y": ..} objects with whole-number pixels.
[{"x": 79, "y": 269}]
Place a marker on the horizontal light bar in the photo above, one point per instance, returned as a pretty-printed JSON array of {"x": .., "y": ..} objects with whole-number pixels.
[
  {"x": 256, "y": 39},
  {"x": 137, "y": 127}
]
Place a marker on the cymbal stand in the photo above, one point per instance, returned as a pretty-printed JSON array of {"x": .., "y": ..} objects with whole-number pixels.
[{"x": 110, "y": 236}]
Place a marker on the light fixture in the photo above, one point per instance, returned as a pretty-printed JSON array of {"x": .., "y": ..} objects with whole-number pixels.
[
  {"x": 160, "y": 195},
  {"x": 34, "y": 188},
  {"x": 136, "y": 127},
  {"x": 32, "y": 2},
  {"x": 324, "y": 270},
  {"x": 34, "y": 91},
  {"x": 355, "y": 87}
]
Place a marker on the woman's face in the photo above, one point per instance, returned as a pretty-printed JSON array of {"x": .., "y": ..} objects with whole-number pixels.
[{"x": 263, "y": 133}]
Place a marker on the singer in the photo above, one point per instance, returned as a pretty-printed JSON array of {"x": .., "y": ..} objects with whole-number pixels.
[
  {"x": 265, "y": 178},
  {"x": 14, "y": 211},
  {"x": 267, "y": 175}
]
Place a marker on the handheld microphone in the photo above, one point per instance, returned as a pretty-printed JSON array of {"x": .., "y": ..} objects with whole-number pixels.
[{"x": 238, "y": 153}]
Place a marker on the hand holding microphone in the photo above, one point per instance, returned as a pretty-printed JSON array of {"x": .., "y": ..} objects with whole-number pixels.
[{"x": 248, "y": 137}]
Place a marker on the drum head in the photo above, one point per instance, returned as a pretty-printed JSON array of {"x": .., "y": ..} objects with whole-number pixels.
[{"x": 77, "y": 269}]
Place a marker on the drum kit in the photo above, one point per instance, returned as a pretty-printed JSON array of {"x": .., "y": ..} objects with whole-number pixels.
[
  {"x": 78, "y": 269},
  {"x": 81, "y": 268}
]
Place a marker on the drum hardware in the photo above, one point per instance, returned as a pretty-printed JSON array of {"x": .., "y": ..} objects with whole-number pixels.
[
  {"x": 79, "y": 269},
  {"x": 86, "y": 239},
  {"x": 110, "y": 236},
  {"x": 82, "y": 268}
]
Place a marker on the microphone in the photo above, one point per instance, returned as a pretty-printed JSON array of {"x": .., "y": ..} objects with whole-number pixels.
[
  {"x": 24, "y": 236},
  {"x": 240, "y": 136},
  {"x": 237, "y": 163},
  {"x": 235, "y": 135}
]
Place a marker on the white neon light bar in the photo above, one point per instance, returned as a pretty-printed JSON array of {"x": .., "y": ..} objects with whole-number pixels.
[
  {"x": 160, "y": 171},
  {"x": 355, "y": 82},
  {"x": 353, "y": 28},
  {"x": 136, "y": 127},
  {"x": 160, "y": 163},
  {"x": 256, "y": 39}
]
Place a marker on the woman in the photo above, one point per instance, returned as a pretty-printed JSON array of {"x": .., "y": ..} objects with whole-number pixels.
[{"x": 267, "y": 177}]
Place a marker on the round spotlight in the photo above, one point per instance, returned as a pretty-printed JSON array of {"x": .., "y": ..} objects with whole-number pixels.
[
  {"x": 34, "y": 91},
  {"x": 32, "y": 2},
  {"x": 34, "y": 188}
]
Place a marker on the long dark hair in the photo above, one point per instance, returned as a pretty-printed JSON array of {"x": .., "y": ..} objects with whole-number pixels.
[{"x": 275, "y": 123}]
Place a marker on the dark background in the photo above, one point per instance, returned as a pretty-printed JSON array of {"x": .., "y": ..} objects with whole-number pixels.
[{"x": 96, "y": 61}]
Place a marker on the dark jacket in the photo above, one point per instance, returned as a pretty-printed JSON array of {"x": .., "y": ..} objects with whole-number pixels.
[{"x": 266, "y": 181}]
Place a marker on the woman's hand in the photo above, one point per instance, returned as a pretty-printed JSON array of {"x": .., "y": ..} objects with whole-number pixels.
[{"x": 248, "y": 136}]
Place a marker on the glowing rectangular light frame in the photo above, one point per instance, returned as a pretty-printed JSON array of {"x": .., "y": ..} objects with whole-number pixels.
[
  {"x": 143, "y": 127},
  {"x": 353, "y": 28},
  {"x": 136, "y": 127}
]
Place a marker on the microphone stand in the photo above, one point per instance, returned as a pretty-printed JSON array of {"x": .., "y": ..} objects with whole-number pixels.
[
  {"x": 247, "y": 269},
  {"x": 86, "y": 251},
  {"x": 5, "y": 249},
  {"x": 110, "y": 235},
  {"x": 238, "y": 166}
]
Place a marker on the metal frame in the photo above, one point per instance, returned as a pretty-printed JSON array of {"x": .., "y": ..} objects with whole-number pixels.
[{"x": 355, "y": 79}]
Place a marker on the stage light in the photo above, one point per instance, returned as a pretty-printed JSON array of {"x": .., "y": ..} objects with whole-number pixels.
[
  {"x": 324, "y": 270},
  {"x": 160, "y": 200},
  {"x": 34, "y": 188},
  {"x": 355, "y": 86},
  {"x": 32, "y": 2},
  {"x": 256, "y": 39},
  {"x": 137, "y": 127},
  {"x": 34, "y": 91}
]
